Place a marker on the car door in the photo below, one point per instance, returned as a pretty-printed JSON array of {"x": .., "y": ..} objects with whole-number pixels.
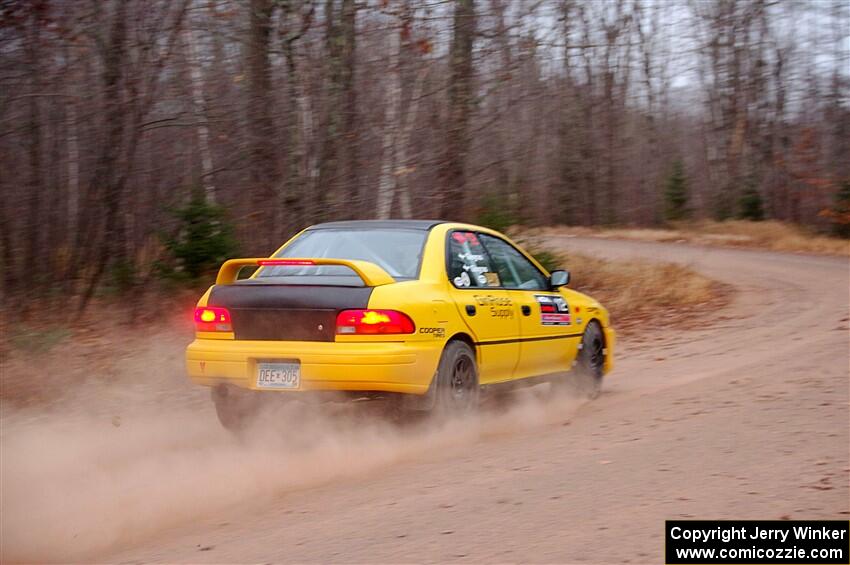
[
  {"x": 548, "y": 340},
  {"x": 487, "y": 309}
]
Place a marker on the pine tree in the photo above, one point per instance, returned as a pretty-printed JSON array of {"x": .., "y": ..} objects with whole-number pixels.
[
  {"x": 203, "y": 241},
  {"x": 495, "y": 215},
  {"x": 840, "y": 211},
  {"x": 749, "y": 205},
  {"x": 676, "y": 194}
]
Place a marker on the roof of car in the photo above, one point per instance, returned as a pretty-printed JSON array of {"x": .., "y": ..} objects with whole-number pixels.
[{"x": 423, "y": 225}]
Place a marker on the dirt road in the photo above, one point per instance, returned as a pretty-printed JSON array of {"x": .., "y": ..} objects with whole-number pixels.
[{"x": 747, "y": 416}]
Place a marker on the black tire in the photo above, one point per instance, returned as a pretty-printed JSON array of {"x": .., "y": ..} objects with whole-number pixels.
[
  {"x": 234, "y": 407},
  {"x": 586, "y": 379},
  {"x": 456, "y": 383}
]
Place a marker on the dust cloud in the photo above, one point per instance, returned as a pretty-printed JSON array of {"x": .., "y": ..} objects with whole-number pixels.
[{"x": 75, "y": 485}]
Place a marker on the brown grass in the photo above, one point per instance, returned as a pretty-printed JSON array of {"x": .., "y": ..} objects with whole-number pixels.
[
  {"x": 45, "y": 358},
  {"x": 42, "y": 361},
  {"x": 636, "y": 290},
  {"x": 771, "y": 235}
]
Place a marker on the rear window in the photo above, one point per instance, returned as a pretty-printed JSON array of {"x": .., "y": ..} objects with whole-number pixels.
[{"x": 397, "y": 251}]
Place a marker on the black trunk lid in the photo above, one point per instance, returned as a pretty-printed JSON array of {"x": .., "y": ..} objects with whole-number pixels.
[{"x": 286, "y": 312}]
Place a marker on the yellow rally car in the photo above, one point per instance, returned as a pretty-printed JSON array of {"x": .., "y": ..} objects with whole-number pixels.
[{"x": 425, "y": 312}]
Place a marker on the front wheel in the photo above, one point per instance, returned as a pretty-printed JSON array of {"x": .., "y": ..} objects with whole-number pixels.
[{"x": 586, "y": 378}]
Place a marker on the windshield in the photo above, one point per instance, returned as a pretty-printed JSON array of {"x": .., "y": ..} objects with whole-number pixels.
[{"x": 397, "y": 251}]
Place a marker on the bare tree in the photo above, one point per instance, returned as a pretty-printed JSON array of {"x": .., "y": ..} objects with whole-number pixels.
[
  {"x": 264, "y": 174},
  {"x": 200, "y": 112},
  {"x": 454, "y": 200},
  {"x": 288, "y": 112}
]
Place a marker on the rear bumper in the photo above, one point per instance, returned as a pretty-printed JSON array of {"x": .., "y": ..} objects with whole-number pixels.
[{"x": 348, "y": 366}]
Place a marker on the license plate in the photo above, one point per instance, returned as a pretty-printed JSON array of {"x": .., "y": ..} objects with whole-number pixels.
[{"x": 278, "y": 375}]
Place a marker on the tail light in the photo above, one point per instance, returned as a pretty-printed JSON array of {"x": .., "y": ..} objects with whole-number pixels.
[
  {"x": 212, "y": 319},
  {"x": 373, "y": 322}
]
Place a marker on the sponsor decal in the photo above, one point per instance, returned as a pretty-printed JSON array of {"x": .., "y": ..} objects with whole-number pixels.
[
  {"x": 436, "y": 332},
  {"x": 463, "y": 280},
  {"x": 490, "y": 300},
  {"x": 554, "y": 310},
  {"x": 497, "y": 306},
  {"x": 464, "y": 237},
  {"x": 477, "y": 269},
  {"x": 470, "y": 257},
  {"x": 473, "y": 261}
]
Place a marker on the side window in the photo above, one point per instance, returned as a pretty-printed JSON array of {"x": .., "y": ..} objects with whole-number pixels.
[
  {"x": 515, "y": 271},
  {"x": 468, "y": 263}
]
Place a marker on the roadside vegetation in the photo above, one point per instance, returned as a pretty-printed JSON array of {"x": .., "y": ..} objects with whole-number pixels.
[
  {"x": 770, "y": 235},
  {"x": 638, "y": 290},
  {"x": 137, "y": 130},
  {"x": 46, "y": 360}
]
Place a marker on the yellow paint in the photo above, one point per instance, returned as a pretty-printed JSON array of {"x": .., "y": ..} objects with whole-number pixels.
[
  {"x": 371, "y": 273},
  {"x": 408, "y": 363}
]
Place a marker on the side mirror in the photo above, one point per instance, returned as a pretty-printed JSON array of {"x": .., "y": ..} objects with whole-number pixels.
[{"x": 559, "y": 278}]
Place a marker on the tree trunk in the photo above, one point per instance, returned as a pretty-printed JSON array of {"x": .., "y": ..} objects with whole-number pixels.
[
  {"x": 405, "y": 166},
  {"x": 35, "y": 181},
  {"x": 262, "y": 133},
  {"x": 350, "y": 141},
  {"x": 392, "y": 110},
  {"x": 200, "y": 111},
  {"x": 104, "y": 186},
  {"x": 454, "y": 201},
  {"x": 328, "y": 164},
  {"x": 73, "y": 209}
]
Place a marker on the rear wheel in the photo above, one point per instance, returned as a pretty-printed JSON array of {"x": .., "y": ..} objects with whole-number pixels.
[
  {"x": 234, "y": 407},
  {"x": 456, "y": 383},
  {"x": 586, "y": 379}
]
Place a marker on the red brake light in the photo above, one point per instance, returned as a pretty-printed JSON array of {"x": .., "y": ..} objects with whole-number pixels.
[
  {"x": 212, "y": 319},
  {"x": 372, "y": 322},
  {"x": 288, "y": 262}
]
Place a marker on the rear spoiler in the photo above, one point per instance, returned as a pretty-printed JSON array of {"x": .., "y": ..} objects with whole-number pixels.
[{"x": 372, "y": 274}]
